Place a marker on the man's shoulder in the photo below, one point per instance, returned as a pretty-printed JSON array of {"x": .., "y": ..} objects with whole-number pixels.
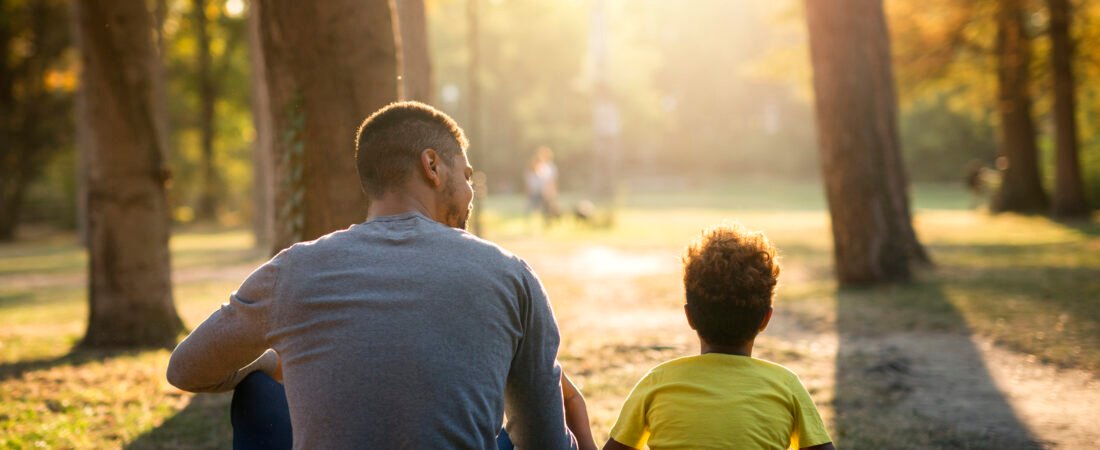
[
  {"x": 480, "y": 244},
  {"x": 442, "y": 241}
]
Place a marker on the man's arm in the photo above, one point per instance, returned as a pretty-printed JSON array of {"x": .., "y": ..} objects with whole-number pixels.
[
  {"x": 532, "y": 393},
  {"x": 230, "y": 343}
]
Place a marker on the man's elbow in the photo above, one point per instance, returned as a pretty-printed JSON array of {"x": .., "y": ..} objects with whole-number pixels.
[{"x": 179, "y": 376}]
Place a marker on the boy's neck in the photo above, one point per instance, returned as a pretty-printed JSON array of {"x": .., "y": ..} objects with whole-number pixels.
[{"x": 738, "y": 350}]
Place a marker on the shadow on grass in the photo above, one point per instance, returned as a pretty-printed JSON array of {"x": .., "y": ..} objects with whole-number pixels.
[
  {"x": 76, "y": 357},
  {"x": 13, "y": 299},
  {"x": 909, "y": 376},
  {"x": 1036, "y": 299},
  {"x": 1089, "y": 227},
  {"x": 204, "y": 423}
]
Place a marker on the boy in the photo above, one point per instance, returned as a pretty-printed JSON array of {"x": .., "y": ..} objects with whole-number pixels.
[{"x": 723, "y": 398}]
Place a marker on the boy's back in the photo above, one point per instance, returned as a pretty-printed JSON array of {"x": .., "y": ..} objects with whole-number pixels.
[
  {"x": 722, "y": 401},
  {"x": 723, "y": 398}
]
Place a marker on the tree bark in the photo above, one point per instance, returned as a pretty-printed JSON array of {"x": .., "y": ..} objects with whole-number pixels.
[
  {"x": 208, "y": 196},
  {"x": 263, "y": 147},
  {"x": 858, "y": 141},
  {"x": 329, "y": 65},
  {"x": 1021, "y": 189},
  {"x": 130, "y": 291},
  {"x": 416, "y": 76},
  {"x": 8, "y": 154},
  {"x": 1069, "y": 192}
]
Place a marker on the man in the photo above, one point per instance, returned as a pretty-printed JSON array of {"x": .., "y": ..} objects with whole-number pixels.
[{"x": 400, "y": 332}]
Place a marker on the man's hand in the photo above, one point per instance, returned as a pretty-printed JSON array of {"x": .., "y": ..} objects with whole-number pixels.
[
  {"x": 271, "y": 364},
  {"x": 278, "y": 375}
]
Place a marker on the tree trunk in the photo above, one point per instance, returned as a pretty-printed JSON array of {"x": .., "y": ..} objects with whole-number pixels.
[
  {"x": 1021, "y": 189},
  {"x": 329, "y": 65},
  {"x": 8, "y": 154},
  {"x": 897, "y": 178},
  {"x": 130, "y": 291},
  {"x": 416, "y": 77},
  {"x": 208, "y": 196},
  {"x": 1069, "y": 192},
  {"x": 263, "y": 147},
  {"x": 858, "y": 141},
  {"x": 160, "y": 77}
]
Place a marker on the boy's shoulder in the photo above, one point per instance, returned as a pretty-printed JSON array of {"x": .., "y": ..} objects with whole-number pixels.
[{"x": 712, "y": 363}]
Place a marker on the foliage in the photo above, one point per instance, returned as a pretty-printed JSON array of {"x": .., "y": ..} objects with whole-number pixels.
[
  {"x": 944, "y": 53},
  {"x": 233, "y": 132},
  {"x": 36, "y": 97},
  {"x": 940, "y": 143}
]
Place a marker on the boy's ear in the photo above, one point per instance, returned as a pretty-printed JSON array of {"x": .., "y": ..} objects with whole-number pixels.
[
  {"x": 767, "y": 318},
  {"x": 687, "y": 312},
  {"x": 430, "y": 162}
]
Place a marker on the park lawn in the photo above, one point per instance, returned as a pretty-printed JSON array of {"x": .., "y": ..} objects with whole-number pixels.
[{"x": 1026, "y": 283}]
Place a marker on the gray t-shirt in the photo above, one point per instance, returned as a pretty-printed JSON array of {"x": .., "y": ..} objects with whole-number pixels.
[{"x": 399, "y": 332}]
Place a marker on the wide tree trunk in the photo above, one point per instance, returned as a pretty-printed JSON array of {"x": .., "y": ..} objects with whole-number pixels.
[
  {"x": 263, "y": 146},
  {"x": 897, "y": 178},
  {"x": 416, "y": 76},
  {"x": 1069, "y": 192},
  {"x": 858, "y": 141},
  {"x": 130, "y": 290},
  {"x": 10, "y": 186},
  {"x": 1021, "y": 189},
  {"x": 208, "y": 195},
  {"x": 329, "y": 65}
]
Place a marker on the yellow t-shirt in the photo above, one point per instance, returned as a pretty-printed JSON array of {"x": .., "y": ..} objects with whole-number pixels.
[{"x": 719, "y": 401}]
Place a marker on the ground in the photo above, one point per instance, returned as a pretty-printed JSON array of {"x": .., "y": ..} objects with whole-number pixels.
[{"x": 994, "y": 347}]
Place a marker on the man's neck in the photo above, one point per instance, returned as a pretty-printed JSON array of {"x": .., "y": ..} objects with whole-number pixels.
[
  {"x": 739, "y": 350},
  {"x": 398, "y": 202}
]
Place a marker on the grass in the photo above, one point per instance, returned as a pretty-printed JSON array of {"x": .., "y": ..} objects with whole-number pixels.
[{"x": 1026, "y": 283}]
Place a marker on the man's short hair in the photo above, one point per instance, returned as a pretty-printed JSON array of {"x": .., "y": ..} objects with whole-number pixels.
[
  {"x": 730, "y": 275},
  {"x": 389, "y": 142}
]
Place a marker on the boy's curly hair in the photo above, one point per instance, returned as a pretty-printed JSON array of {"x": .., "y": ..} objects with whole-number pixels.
[{"x": 730, "y": 275}]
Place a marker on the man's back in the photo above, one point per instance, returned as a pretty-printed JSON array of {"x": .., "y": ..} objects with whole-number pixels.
[{"x": 404, "y": 333}]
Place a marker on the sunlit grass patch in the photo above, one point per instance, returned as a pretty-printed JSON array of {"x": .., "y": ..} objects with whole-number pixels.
[{"x": 53, "y": 395}]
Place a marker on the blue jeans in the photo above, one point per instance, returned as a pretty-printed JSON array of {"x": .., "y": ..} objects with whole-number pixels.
[{"x": 261, "y": 417}]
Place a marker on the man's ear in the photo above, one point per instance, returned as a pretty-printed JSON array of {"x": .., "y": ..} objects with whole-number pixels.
[
  {"x": 687, "y": 312},
  {"x": 431, "y": 167},
  {"x": 767, "y": 318}
]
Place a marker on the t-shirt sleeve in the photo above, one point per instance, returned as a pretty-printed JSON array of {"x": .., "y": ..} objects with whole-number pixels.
[
  {"x": 533, "y": 400},
  {"x": 631, "y": 428},
  {"x": 228, "y": 345},
  {"x": 809, "y": 429}
]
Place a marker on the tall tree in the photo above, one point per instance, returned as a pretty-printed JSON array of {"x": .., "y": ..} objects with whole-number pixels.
[
  {"x": 263, "y": 146},
  {"x": 329, "y": 65},
  {"x": 130, "y": 291},
  {"x": 858, "y": 140},
  {"x": 1021, "y": 189},
  {"x": 34, "y": 123},
  {"x": 208, "y": 195},
  {"x": 416, "y": 74},
  {"x": 1069, "y": 192}
]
